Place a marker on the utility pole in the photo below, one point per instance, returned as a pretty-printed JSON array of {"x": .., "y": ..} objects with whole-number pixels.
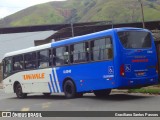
[
  {"x": 140, "y": 1},
  {"x": 72, "y": 28},
  {"x": 72, "y": 21},
  {"x": 69, "y": 14}
]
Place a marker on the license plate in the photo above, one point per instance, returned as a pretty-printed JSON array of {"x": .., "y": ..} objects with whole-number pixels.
[{"x": 140, "y": 74}]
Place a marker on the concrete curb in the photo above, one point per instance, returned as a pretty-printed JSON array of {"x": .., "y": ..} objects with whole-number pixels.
[{"x": 119, "y": 91}]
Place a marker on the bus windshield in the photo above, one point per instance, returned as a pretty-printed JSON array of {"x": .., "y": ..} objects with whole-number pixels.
[{"x": 135, "y": 39}]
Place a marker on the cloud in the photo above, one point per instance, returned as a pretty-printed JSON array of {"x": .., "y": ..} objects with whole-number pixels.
[{"x": 8, "y": 7}]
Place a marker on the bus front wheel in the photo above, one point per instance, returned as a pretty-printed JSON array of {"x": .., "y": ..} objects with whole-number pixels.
[
  {"x": 19, "y": 92},
  {"x": 69, "y": 89},
  {"x": 102, "y": 93}
]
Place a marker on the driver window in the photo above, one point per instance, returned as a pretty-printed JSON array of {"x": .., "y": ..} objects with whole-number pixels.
[{"x": 7, "y": 67}]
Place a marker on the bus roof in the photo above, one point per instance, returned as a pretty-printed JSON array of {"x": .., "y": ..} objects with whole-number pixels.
[
  {"x": 130, "y": 28},
  {"x": 82, "y": 38},
  {"x": 93, "y": 36},
  {"x": 31, "y": 49},
  {"x": 72, "y": 40}
]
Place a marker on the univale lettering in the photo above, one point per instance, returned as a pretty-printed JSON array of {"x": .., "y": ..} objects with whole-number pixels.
[{"x": 34, "y": 76}]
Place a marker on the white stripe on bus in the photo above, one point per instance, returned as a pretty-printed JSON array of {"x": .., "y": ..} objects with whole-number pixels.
[
  {"x": 51, "y": 83},
  {"x": 54, "y": 84},
  {"x": 55, "y": 73}
]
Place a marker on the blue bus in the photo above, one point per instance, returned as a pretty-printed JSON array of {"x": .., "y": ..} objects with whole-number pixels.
[{"x": 97, "y": 62}]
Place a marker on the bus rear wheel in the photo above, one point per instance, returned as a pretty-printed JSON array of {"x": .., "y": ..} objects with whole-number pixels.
[
  {"x": 102, "y": 93},
  {"x": 69, "y": 89},
  {"x": 19, "y": 92}
]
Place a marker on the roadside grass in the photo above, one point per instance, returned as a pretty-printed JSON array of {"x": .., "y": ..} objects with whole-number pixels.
[
  {"x": 143, "y": 90},
  {"x": 150, "y": 90},
  {"x": 158, "y": 86}
]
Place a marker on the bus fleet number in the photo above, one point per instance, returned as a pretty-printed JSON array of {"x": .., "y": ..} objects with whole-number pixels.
[{"x": 66, "y": 71}]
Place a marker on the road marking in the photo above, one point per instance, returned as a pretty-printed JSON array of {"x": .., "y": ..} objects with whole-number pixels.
[
  {"x": 25, "y": 109},
  {"x": 46, "y": 105},
  {"x": 10, "y": 109}
]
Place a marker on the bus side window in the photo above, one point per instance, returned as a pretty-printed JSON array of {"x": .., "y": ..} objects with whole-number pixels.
[
  {"x": 109, "y": 48},
  {"x": 50, "y": 57},
  {"x": 18, "y": 63},
  {"x": 101, "y": 49},
  {"x": 79, "y": 52},
  {"x": 94, "y": 51},
  {"x": 71, "y": 53},
  {"x": 87, "y": 51},
  {"x": 30, "y": 60},
  {"x": 43, "y": 59},
  {"x": 54, "y": 57},
  {"x": 59, "y": 56},
  {"x": 66, "y": 55},
  {"x": 62, "y": 56}
]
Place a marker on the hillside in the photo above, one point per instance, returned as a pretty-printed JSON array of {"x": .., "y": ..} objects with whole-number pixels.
[{"x": 117, "y": 11}]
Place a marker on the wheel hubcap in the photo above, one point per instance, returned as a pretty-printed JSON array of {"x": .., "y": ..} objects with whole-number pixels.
[
  {"x": 19, "y": 92},
  {"x": 69, "y": 89}
]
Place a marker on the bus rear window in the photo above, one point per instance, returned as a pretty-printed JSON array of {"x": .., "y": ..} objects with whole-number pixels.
[{"x": 135, "y": 39}]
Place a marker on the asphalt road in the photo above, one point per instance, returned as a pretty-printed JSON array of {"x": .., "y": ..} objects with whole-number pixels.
[{"x": 115, "y": 102}]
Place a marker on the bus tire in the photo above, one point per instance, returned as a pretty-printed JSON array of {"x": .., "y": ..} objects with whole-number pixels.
[
  {"x": 19, "y": 92},
  {"x": 69, "y": 89},
  {"x": 102, "y": 93}
]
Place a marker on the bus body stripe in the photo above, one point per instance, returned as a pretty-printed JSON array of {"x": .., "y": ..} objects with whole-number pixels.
[
  {"x": 54, "y": 83},
  {"x": 51, "y": 82},
  {"x": 49, "y": 87},
  {"x": 55, "y": 73},
  {"x": 56, "y": 86}
]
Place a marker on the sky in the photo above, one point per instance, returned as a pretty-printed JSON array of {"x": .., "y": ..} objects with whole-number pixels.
[
  {"x": 17, "y": 41},
  {"x": 8, "y": 7}
]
